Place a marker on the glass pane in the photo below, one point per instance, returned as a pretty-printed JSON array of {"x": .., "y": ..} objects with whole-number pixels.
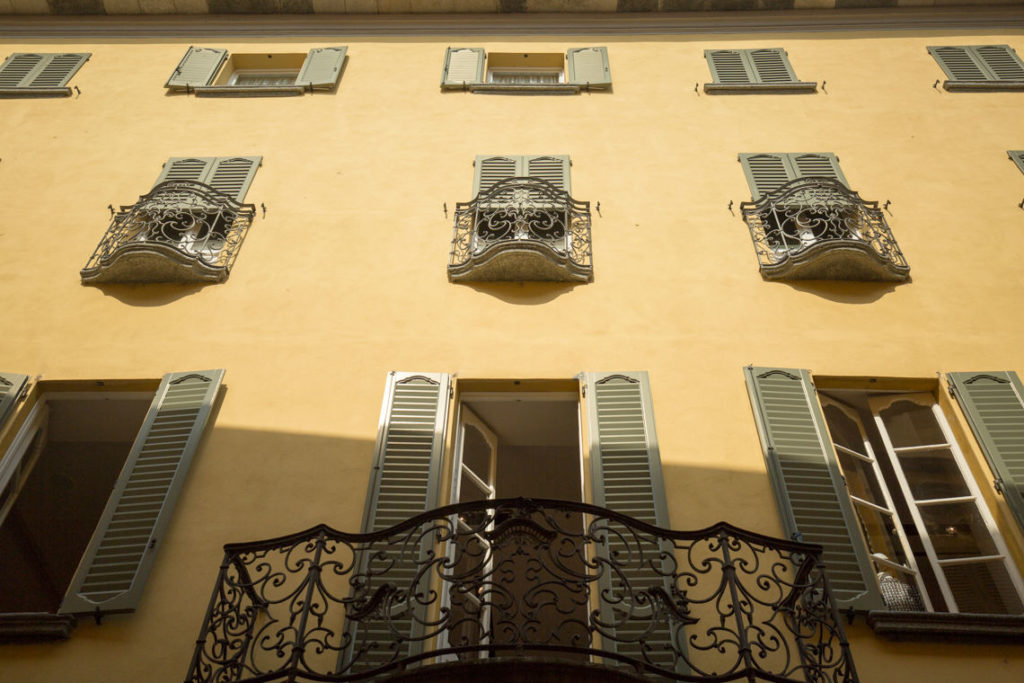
[
  {"x": 469, "y": 490},
  {"x": 476, "y": 453},
  {"x": 844, "y": 430},
  {"x": 880, "y": 533},
  {"x": 860, "y": 479},
  {"x": 255, "y": 78},
  {"x": 899, "y": 589},
  {"x": 933, "y": 474},
  {"x": 983, "y": 588},
  {"x": 911, "y": 424},
  {"x": 957, "y": 530}
]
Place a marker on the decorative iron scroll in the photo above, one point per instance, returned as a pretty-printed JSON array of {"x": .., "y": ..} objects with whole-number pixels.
[
  {"x": 523, "y": 213},
  {"x": 186, "y": 221},
  {"x": 523, "y": 578},
  {"x": 811, "y": 217}
]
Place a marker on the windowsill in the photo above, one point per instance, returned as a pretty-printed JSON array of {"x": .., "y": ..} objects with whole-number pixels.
[
  {"x": 988, "y": 628},
  {"x": 248, "y": 90},
  {"x": 954, "y": 86},
  {"x": 526, "y": 88},
  {"x": 25, "y": 626},
  {"x": 798, "y": 87},
  {"x": 35, "y": 92}
]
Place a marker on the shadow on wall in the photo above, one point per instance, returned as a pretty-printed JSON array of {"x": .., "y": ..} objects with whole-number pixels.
[
  {"x": 523, "y": 293},
  {"x": 148, "y": 294},
  {"x": 844, "y": 292}
]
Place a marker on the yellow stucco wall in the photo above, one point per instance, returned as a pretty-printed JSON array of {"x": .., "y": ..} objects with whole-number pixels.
[{"x": 344, "y": 279}]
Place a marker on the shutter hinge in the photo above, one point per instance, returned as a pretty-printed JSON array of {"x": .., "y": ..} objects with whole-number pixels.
[
  {"x": 952, "y": 390},
  {"x": 152, "y": 543},
  {"x": 583, "y": 391},
  {"x": 998, "y": 484},
  {"x": 451, "y": 391},
  {"x": 797, "y": 536}
]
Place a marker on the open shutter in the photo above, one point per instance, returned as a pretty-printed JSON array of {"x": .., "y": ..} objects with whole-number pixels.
[
  {"x": 186, "y": 168},
  {"x": 197, "y": 67},
  {"x": 728, "y": 67},
  {"x": 322, "y": 68},
  {"x": 625, "y": 471},
  {"x": 554, "y": 169},
  {"x": 463, "y": 66},
  {"x": 120, "y": 555},
  {"x": 766, "y": 172},
  {"x": 233, "y": 175},
  {"x": 958, "y": 63},
  {"x": 588, "y": 67},
  {"x": 57, "y": 70},
  {"x": 816, "y": 166},
  {"x": 11, "y": 386},
  {"x": 1017, "y": 157},
  {"x": 490, "y": 170},
  {"x": 994, "y": 405},
  {"x": 807, "y": 481},
  {"x": 1001, "y": 61},
  {"x": 770, "y": 65}
]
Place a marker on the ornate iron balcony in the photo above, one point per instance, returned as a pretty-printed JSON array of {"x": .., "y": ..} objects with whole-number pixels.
[
  {"x": 817, "y": 229},
  {"x": 522, "y": 229},
  {"x": 182, "y": 231},
  {"x": 522, "y": 580}
]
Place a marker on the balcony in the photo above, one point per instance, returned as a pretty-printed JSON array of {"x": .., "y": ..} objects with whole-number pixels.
[
  {"x": 182, "y": 231},
  {"x": 521, "y": 589},
  {"x": 817, "y": 229},
  {"x": 521, "y": 229}
]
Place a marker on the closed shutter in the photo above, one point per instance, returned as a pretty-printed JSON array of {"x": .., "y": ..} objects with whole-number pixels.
[
  {"x": 11, "y": 386},
  {"x": 625, "y": 470},
  {"x": 808, "y": 485},
  {"x": 1002, "y": 61},
  {"x": 553, "y": 169},
  {"x": 233, "y": 175},
  {"x": 771, "y": 66},
  {"x": 588, "y": 66},
  {"x": 768, "y": 172},
  {"x": 490, "y": 170},
  {"x": 197, "y": 67},
  {"x": 994, "y": 405},
  {"x": 463, "y": 66},
  {"x": 403, "y": 484},
  {"x": 322, "y": 68},
  {"x": 979, "y": 63},
  {"x": 16, "y": 69},
  {"x": 40, "y": 70},
  {"x": 958, "y": 63},
  {"x": 120, "y": 555},
  {"x": 196, "y": 169},
  {"x": 816, "y": 166},
  {"x": 728, "y": 67},
  {"x": 1017, "y": 156}
]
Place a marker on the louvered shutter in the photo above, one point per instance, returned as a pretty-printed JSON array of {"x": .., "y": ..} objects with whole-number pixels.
[
  {"x": 16, "y": 69},
  {"x": 322, "y": 68},
  {"x": 770, "y": 65},
  {"x": 403, "y": 483},
  {"x": 552, "y": 168},
  {"x": 588, "y": 66},
  {"x": 197, "y": 67},
  {"x": 463, "y": 66},
  {"x": 196, "y": 169},
  {"x": 766, "y": 172},
  {"x": 233, "y": 175},
  {"x": 958, "y": 63},
  {"x": 816, "y": 166},
  {"x": 1017, "y": 156},
  {"x": 58, "y": 70},
  {"x": 490, "y": 170},
  {"x": 728, "y": 67},
  {"x": 808, "y": 484},
  {"x": 120, "y": 555},
  {"x": 994, "y": 405},
  {"x": 625, "y": 471},
  {"x": 11, "y": 386},
  {"x": 1002, "y": 62}
]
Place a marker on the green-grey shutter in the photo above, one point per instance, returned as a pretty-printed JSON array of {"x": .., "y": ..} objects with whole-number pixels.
[
  {"x": 11, "y": 386},
  {"x": 1002, "y": 61},
  {"x": 462, "y": 66},
  {"x": 322, "y": 67},
  {"x": 196, "y": 169},
  {"x": 1017, "y": 157},
  {"x": 728, "y": 67},
  {"x": 994, "y": 405},
  {"x": 404, "y": 482},
  {"x": 766, "y": 173},
  {"x": 625, "y": 472},
  {"x": 16, "y": 69},
  {"x": 120, "y": 555},
  {"x": 770, "y": 65},
  {"x": 816, "y": 166},
  {"x": 552, "y": 168},
  {"x": 58, "y": 70},
  {"x": 807, "y": 481},
  {"x": 233, "y": 175},
  {"x": 588, "y": 66},
  {"x": 197, "y": 67},
  {"x": 490, "y": 170},
  {"x": 958, "y": 63}
]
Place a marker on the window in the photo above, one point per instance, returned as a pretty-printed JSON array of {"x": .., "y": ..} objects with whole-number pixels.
[
  {"x": 580, "y": 68},
  {"x": 211, "y": 71},
  {"x": 980, "y": 67},
  {"x": 806, "y": 223},
  {"x": 81, "y": 457},
  {"x": 756, "y": 70},
  {"x": 872, "y": 471},
  {"x": 188, "y": 228},
  {"x": 523, "y": 224},
  {"x": 39, "y": 74}
]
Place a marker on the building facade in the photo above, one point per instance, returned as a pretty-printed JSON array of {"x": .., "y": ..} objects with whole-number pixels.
[{"x": 267, "y": 273}]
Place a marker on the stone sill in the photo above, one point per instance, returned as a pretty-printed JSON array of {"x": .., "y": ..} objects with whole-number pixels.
[
  {"x": 248, "y": 90},
  {"x": 19, "y": 627},
  {"x": 939, "y": 626},
  {"x": 743, "y": 88},
  {"x": 35, "y": 92},
  {"x": 966, "y": 86}
]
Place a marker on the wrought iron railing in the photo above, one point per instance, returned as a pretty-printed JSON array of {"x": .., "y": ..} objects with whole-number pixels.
[
  {"x": 523, "y": 214},
  {"x": 186, "y": 221},
  {"x": 523, "y": 578},
  {"x": 810, "y": 217}
]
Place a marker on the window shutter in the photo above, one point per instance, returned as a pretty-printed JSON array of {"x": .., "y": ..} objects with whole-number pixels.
[
  {"x": 322, "y": 67},
  {"x": 233, "y": 175},
  {"x": 766, "y": 172},
  {"x": 1017, "y": 156},
  {"x": 15, "y": 70},
  {"x": 1002, "y": 61},
  {"x": 588, "y": 66},
  {"x": 490, "y": 170},
  {"x": 11, "y": 386},
  {"x": 197, "y": 67},
  {"x": 57, "y": 70},
  {"x": 120, "y": 555},
  {"x": 816, "y": 166},
  {"x": 808, "y": 485},
  {"x": 554, "y": 169},
  {"x": 994, "y": 405},
  {"x": 728, "y": 67},
  {"x": 958, "y": 63},
  {"x": 771, "y": 66},
  {"x": 462, "y": 66},
  {"x": 186, "y": 168}
]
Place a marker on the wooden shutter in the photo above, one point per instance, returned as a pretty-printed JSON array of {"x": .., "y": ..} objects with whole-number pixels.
[
  {"x": 552, "y": 168},
  {"x": 16, "y": 69},
  {"x": 1017, "y": 157},
  {"x": 1001, "y": 61},
  {"x": 197, "y": 67},
  {"x": 233, "y": 175},
  {"x": 463, "y": 66},
  {"x": 40, "y": 70},
  {"x": 322, "y": 68},
  {"x": 588, "y": 66},
  {"x": 11, "y": 386},
  {"x": 490, "y": 170},
  {"x": 958, "y": 63},
  {"x": 766, "y": 172},
  {"x": 994, "y": 405},
  {"x": 807, "y": 481},
  {"x": 728, "y": 67},
  {"x": 186, "y": 168},
  {"x": 816, "y": 166},
  {"x": 770, "y": 65},
  {"x": 120, "y": 555}
]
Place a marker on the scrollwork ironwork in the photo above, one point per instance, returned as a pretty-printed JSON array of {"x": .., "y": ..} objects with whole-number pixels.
[
  {"x": 523, "y": 578},
  {"x": 816, "y": 227}
]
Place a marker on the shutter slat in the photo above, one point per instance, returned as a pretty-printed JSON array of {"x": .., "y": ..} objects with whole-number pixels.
[
  {"x": 58, "y": 70},
  {"x": 16, "y": 68},
  {"x": 490, "y": 170},
  {"x": 728, "y": 67},
  {"x": 185, "y": 168},
  {"x": 1002, "y": 61},
  {"x": 322, "y": 68},
  {"x": 765, "y": 173},
  {"x": 233, "y": 175},
  {"x": 958, "y": 63},
  {"x": 554, "y": 169},
  {"x": 817, "y": 166},
  {"x": 588, "y": 67},
  {"x": 771, "y": 66},
  {"x": 462, "y": 66},
  {"x": 137, "y": 513}
]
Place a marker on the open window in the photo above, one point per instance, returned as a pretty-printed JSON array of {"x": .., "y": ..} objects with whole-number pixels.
[
  {"x": 213, "y": 71},
  {"x": 475, "y": 70}
]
